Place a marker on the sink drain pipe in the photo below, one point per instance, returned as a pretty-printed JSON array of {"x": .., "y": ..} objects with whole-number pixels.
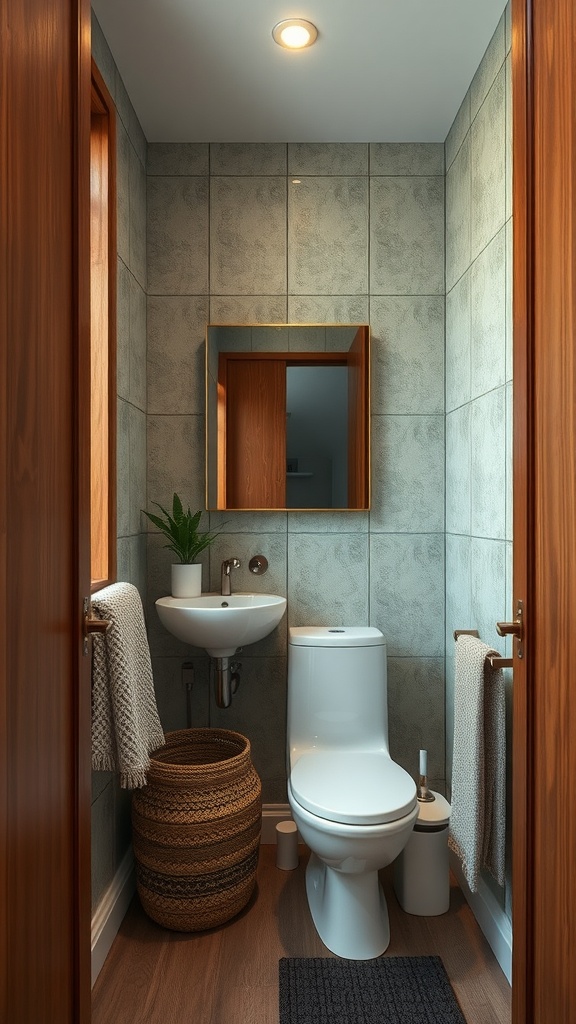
[{"x": 226, "y": 680}]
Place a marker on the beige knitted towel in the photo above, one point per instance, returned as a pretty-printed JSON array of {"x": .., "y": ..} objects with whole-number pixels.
[
  {"x": 478, "y": 815},
  {"x": 125, "y": 722}
]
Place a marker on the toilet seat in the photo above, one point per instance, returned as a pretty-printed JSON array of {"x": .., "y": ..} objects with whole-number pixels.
[{"x": 353, "y": 787}]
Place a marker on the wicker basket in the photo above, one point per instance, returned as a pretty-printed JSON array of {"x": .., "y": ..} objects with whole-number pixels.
[{"x": 196, "y": 829}]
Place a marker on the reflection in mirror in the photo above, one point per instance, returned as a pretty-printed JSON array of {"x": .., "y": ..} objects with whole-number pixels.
[{"x": 287, "y": 417}]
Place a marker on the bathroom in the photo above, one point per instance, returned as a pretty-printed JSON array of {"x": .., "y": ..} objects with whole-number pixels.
[{"x": 434, "y": 552}]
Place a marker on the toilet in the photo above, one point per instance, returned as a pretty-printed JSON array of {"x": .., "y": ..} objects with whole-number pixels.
[{"x": 354, "y": 806}]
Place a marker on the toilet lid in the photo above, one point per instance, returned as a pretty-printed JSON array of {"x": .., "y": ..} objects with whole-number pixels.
[{"x": 354, "y": 787}]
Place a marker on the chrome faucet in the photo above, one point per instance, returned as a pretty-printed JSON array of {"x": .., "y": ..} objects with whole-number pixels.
[{"x": 227, "y": 565}]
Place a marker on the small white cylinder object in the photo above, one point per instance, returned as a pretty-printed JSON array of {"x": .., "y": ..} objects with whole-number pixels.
[
  {"x": 422, "y": 871},
  {"x": 286, "y": 845},
  {"x": 423, "y": 762}
]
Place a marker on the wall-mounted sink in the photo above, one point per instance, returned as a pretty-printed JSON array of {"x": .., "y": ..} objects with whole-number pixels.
[{"x": 221, "y": 624}]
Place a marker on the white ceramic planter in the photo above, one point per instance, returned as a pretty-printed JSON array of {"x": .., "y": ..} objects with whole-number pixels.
[{"x": 186, "y": 580}]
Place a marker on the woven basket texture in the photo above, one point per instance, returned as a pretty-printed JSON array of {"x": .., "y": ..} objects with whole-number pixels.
[{"x": 196, "y": 829}]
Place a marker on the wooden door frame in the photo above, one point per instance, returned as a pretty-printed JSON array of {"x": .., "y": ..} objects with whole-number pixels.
[
  {"x": 45, "y": 776},
  {"x": 523, "y": 454},
  {"x": 544, "y": 755}
]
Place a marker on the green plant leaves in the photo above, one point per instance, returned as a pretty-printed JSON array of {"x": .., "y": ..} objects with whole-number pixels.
[{"x": 181, "y": 530}]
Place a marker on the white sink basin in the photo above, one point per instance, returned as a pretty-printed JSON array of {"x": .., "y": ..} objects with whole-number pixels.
[{"x": 221, "y": 624}]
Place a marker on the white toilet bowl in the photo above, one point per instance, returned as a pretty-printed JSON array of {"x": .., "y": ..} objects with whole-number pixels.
[{"x": 354, "y": 807}]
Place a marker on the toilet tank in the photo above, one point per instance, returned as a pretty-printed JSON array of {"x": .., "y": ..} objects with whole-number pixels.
[{"x": 337, "y": 689}]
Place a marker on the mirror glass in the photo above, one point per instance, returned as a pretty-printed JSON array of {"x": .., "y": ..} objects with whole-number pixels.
[{"x": 287, "y": 417}]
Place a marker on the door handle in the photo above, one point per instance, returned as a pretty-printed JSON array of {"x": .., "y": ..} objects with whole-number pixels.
[
  {"x": 90, "y": 625},
  {"x": 515, "y": 628}
]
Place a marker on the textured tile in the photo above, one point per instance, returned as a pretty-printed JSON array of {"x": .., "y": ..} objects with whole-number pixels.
[
  {"x": 488, "y": 467},
  {"x": 508, "y": 130},
  {"x": 102, "y": 56},
  {"x": 488, "y": 317},
  {"x": 102, "y": 835},
  {"x": 137, "y": 428},
  {"x": 249, "y": 522},
  {"x": 176, "y": 353},
  {"x": 123, "y": 571},
  {"x": 328, "y": 236},
  {"x": 123, "y": 469},
  {"x": 258, "y": 711},
  {"x": 407, "y": 592},
  {"x": 458, "y": 470},
  {"x": 177, "y": 236},
  {"x": 162, "y": 643},
  {"x": 458, "y": 344},
  {"x": 508, "y": 34},
  {"x": 138, "y": 138},
  {"x": 172, "y": 696},
  {"x": 328, "y": 309},
  {"x": 449, "y": 723},
  {"x": 416, "y": 713},
  {"x": 99, "y": 782},
  {"x": 328, "y": 522},
  {"x": 408, "y": 474},
  {"x": 488, "y": 588},
  {"x": 509, "y": 468},
  {"x": 488, "y": 167},
  {"x": 247, "y": 309},
  {"x": 137, "y": 345},
  {"x": 488, "y": 68},
  {"x": 248, "y": 236},
  {"x": 244, "y": 546},
  {"x": 247, "y": 158},
  {"x": 123, "y": 288},
  {"x": 458, "y": 588},
  {"x": 138, "y": 225},
  {"x": 458, "y": 131},
  {"x": 407, "y": 236},
  {"x": 419, "y": 158},
  {"x": 509, "y": 285},
  {"x": 176, "y": 459},
  {"x": 326, "y": 158},
  {"x": 123, "y": 150},
  {"x": 305, "y": 339},
  {"x": 123, "y": 103},
  {"x": 407, "y": 354},
  {"x": 139, "y": 564},
  {"x": 327, "y": 579},
  {"x": 458, "y": 202},
  {"x": 175, "y": 158}
]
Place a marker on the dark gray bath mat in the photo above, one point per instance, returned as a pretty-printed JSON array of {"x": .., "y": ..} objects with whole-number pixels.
[{"x": 388, "y": 990}]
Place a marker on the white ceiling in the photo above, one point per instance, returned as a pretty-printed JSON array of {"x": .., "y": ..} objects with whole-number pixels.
[{"x": 380, "y": 71}]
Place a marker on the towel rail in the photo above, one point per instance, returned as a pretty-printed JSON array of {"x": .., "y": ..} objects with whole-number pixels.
[{"x": 496, "y": 660}]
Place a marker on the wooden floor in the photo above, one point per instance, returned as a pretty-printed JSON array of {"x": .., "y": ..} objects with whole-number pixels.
[{"x": 229, "y": 975}]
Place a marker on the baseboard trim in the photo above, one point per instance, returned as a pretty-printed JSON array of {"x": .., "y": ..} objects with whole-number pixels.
[
  {"x": 272, "y": 814},
  {"x": 493, "y": 922},
  {"x": 110, "y": 912}
]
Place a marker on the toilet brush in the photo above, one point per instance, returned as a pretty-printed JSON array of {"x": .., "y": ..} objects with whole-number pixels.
[{"x": 424, "y": 794}]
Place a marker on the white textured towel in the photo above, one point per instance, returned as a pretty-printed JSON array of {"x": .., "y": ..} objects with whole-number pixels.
[
  {"x": 478, "y": 815},
  {"x": 125, "y": 722}
]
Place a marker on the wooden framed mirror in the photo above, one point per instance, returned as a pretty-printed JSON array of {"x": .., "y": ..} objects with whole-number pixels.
[{"x": 288, "y": 417}]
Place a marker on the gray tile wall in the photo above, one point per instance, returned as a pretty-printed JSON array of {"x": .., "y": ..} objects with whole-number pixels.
[
  {"x": 231, "y": 239},
  {"x": 110, "y": 805},
  {"x": 479, "y": 364}
]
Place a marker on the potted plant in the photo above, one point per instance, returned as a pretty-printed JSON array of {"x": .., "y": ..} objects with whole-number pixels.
[{"x": 186, "y": 541}]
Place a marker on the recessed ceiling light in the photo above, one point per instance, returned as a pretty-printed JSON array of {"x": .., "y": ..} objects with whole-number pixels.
[{"x": 294, "y": 34}]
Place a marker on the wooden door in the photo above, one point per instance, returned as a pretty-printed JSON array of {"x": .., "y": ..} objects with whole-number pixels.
[
  {"x": 44, "y": 521},
  {"x": 255, "y": 433},
  {"x": 544, "y": 833}
]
